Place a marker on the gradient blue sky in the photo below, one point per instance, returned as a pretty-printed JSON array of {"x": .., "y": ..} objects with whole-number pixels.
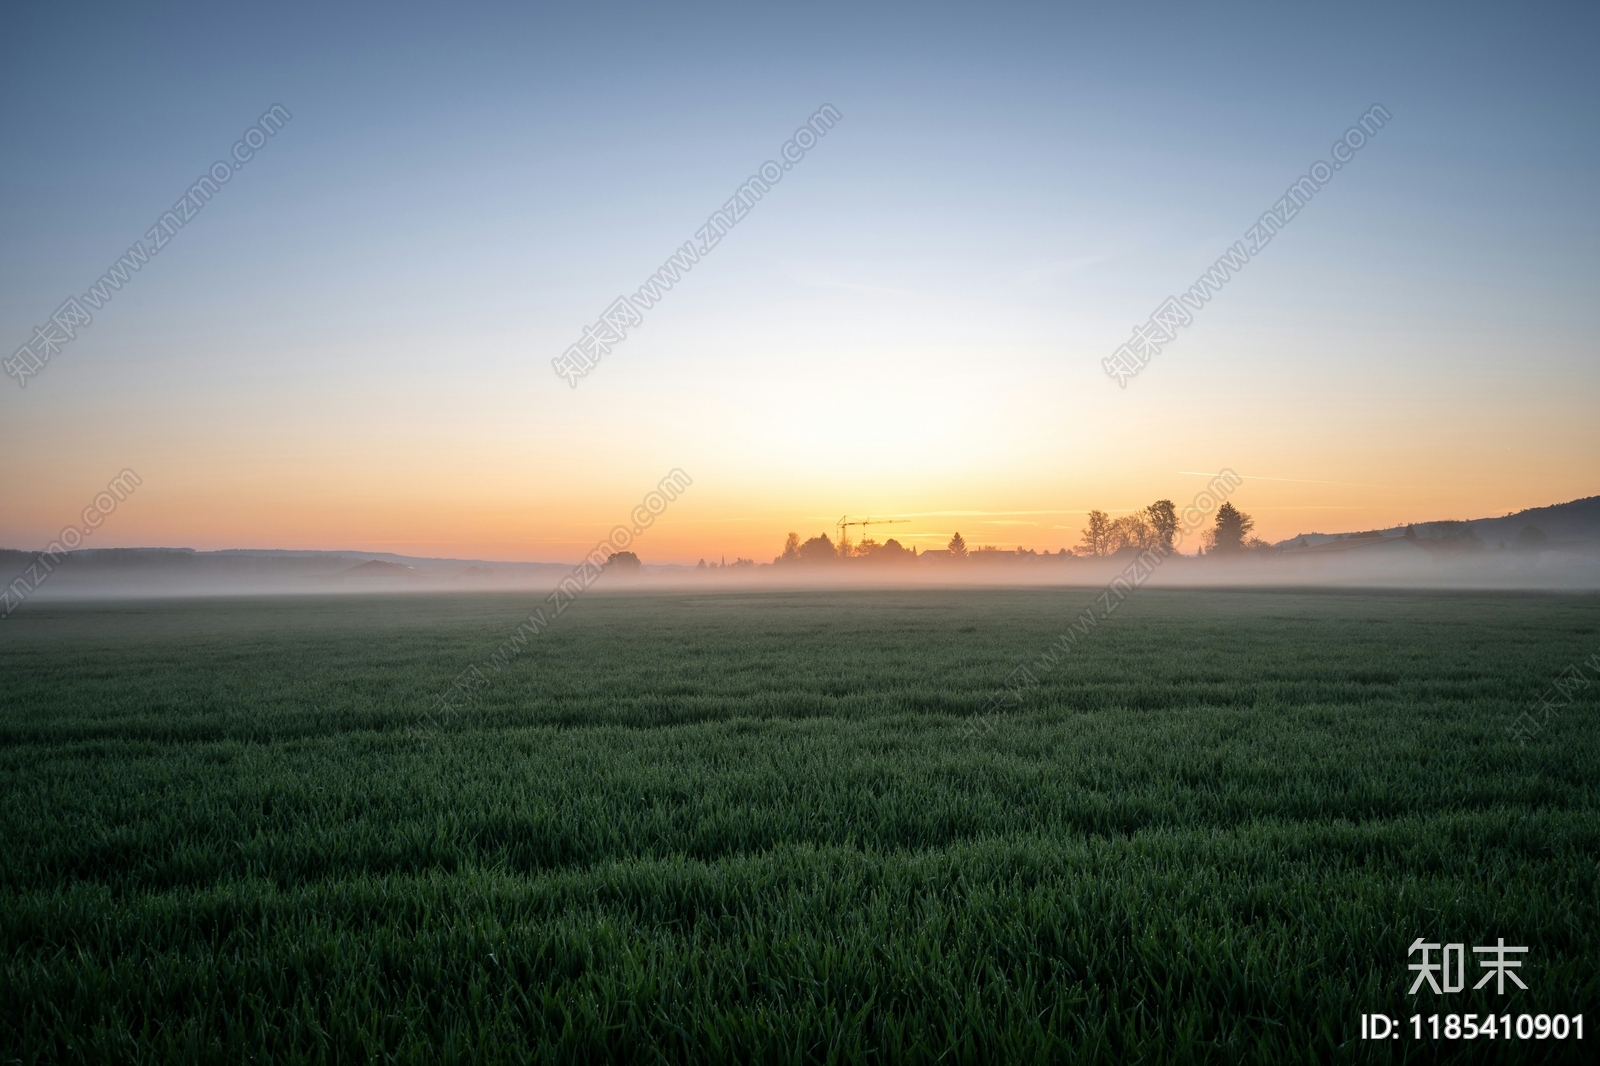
[{"x": 350, "y": 346}]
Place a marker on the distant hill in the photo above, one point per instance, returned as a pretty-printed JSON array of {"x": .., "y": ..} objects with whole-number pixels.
[
  {"x": 184, "y": 571},
  {"x": 1577, "y": 522},
  {"x": 381, "y": 568}
]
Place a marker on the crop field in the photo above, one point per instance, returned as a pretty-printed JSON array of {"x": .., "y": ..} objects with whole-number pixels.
[{"x": 776, "y": 826}]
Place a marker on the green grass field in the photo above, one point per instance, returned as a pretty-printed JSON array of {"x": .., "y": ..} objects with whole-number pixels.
[{"x": 760, "y": 827}]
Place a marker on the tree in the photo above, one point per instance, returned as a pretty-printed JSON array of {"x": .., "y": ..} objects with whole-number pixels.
[
  {"x": 1129, "y": 531},
  {"x": 1532, "y": 539},
  {"x": 1232, "y": 527},
  {"x": 1453, "y": 536},
  {"x": 958, "y": 547},
  {"x": 891, "y": 551},
  {"x": 818, "y": 549},
  {"x": 623, "y": 563},
  {"x": 791, "y": 550},
  {"x": 1163, "y": 519},
  {"x": 1094, "y": 534}
]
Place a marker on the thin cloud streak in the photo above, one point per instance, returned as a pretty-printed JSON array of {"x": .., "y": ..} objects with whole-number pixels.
[{"x": 1297, "y": 480}]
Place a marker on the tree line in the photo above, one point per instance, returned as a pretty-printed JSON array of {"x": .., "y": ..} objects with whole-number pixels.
[{"x": 1152, "y": 527}]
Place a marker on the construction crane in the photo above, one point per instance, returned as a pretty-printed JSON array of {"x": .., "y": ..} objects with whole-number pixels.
[{"x": 844, "y": 524}]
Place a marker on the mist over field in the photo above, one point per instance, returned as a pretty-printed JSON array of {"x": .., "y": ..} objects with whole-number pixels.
[
  {"x": 1394, "y": 558},
  {"x": 340, "y": 574}
]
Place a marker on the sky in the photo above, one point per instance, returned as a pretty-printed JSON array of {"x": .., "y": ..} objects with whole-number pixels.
[{"x": 349, "y": 345}]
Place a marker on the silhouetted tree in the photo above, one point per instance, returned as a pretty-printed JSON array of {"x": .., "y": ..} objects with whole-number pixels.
[
  {"x": 1094, "y": 534},
  {"x": 1455, "y": 535},
  {"x": 1531, "y": 539},
  {"x": 818, "y": 549},
  {"x": 891, "y": 551},
  {"x": 623, "y": 563},
  {"x": 1163, "y": 518},
  {"x": 791, "y": 550},
  {"x": 1232, "y": 527},
  {"x": 1129, "y": 531},
  {"x": 957, "y": 546}
]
